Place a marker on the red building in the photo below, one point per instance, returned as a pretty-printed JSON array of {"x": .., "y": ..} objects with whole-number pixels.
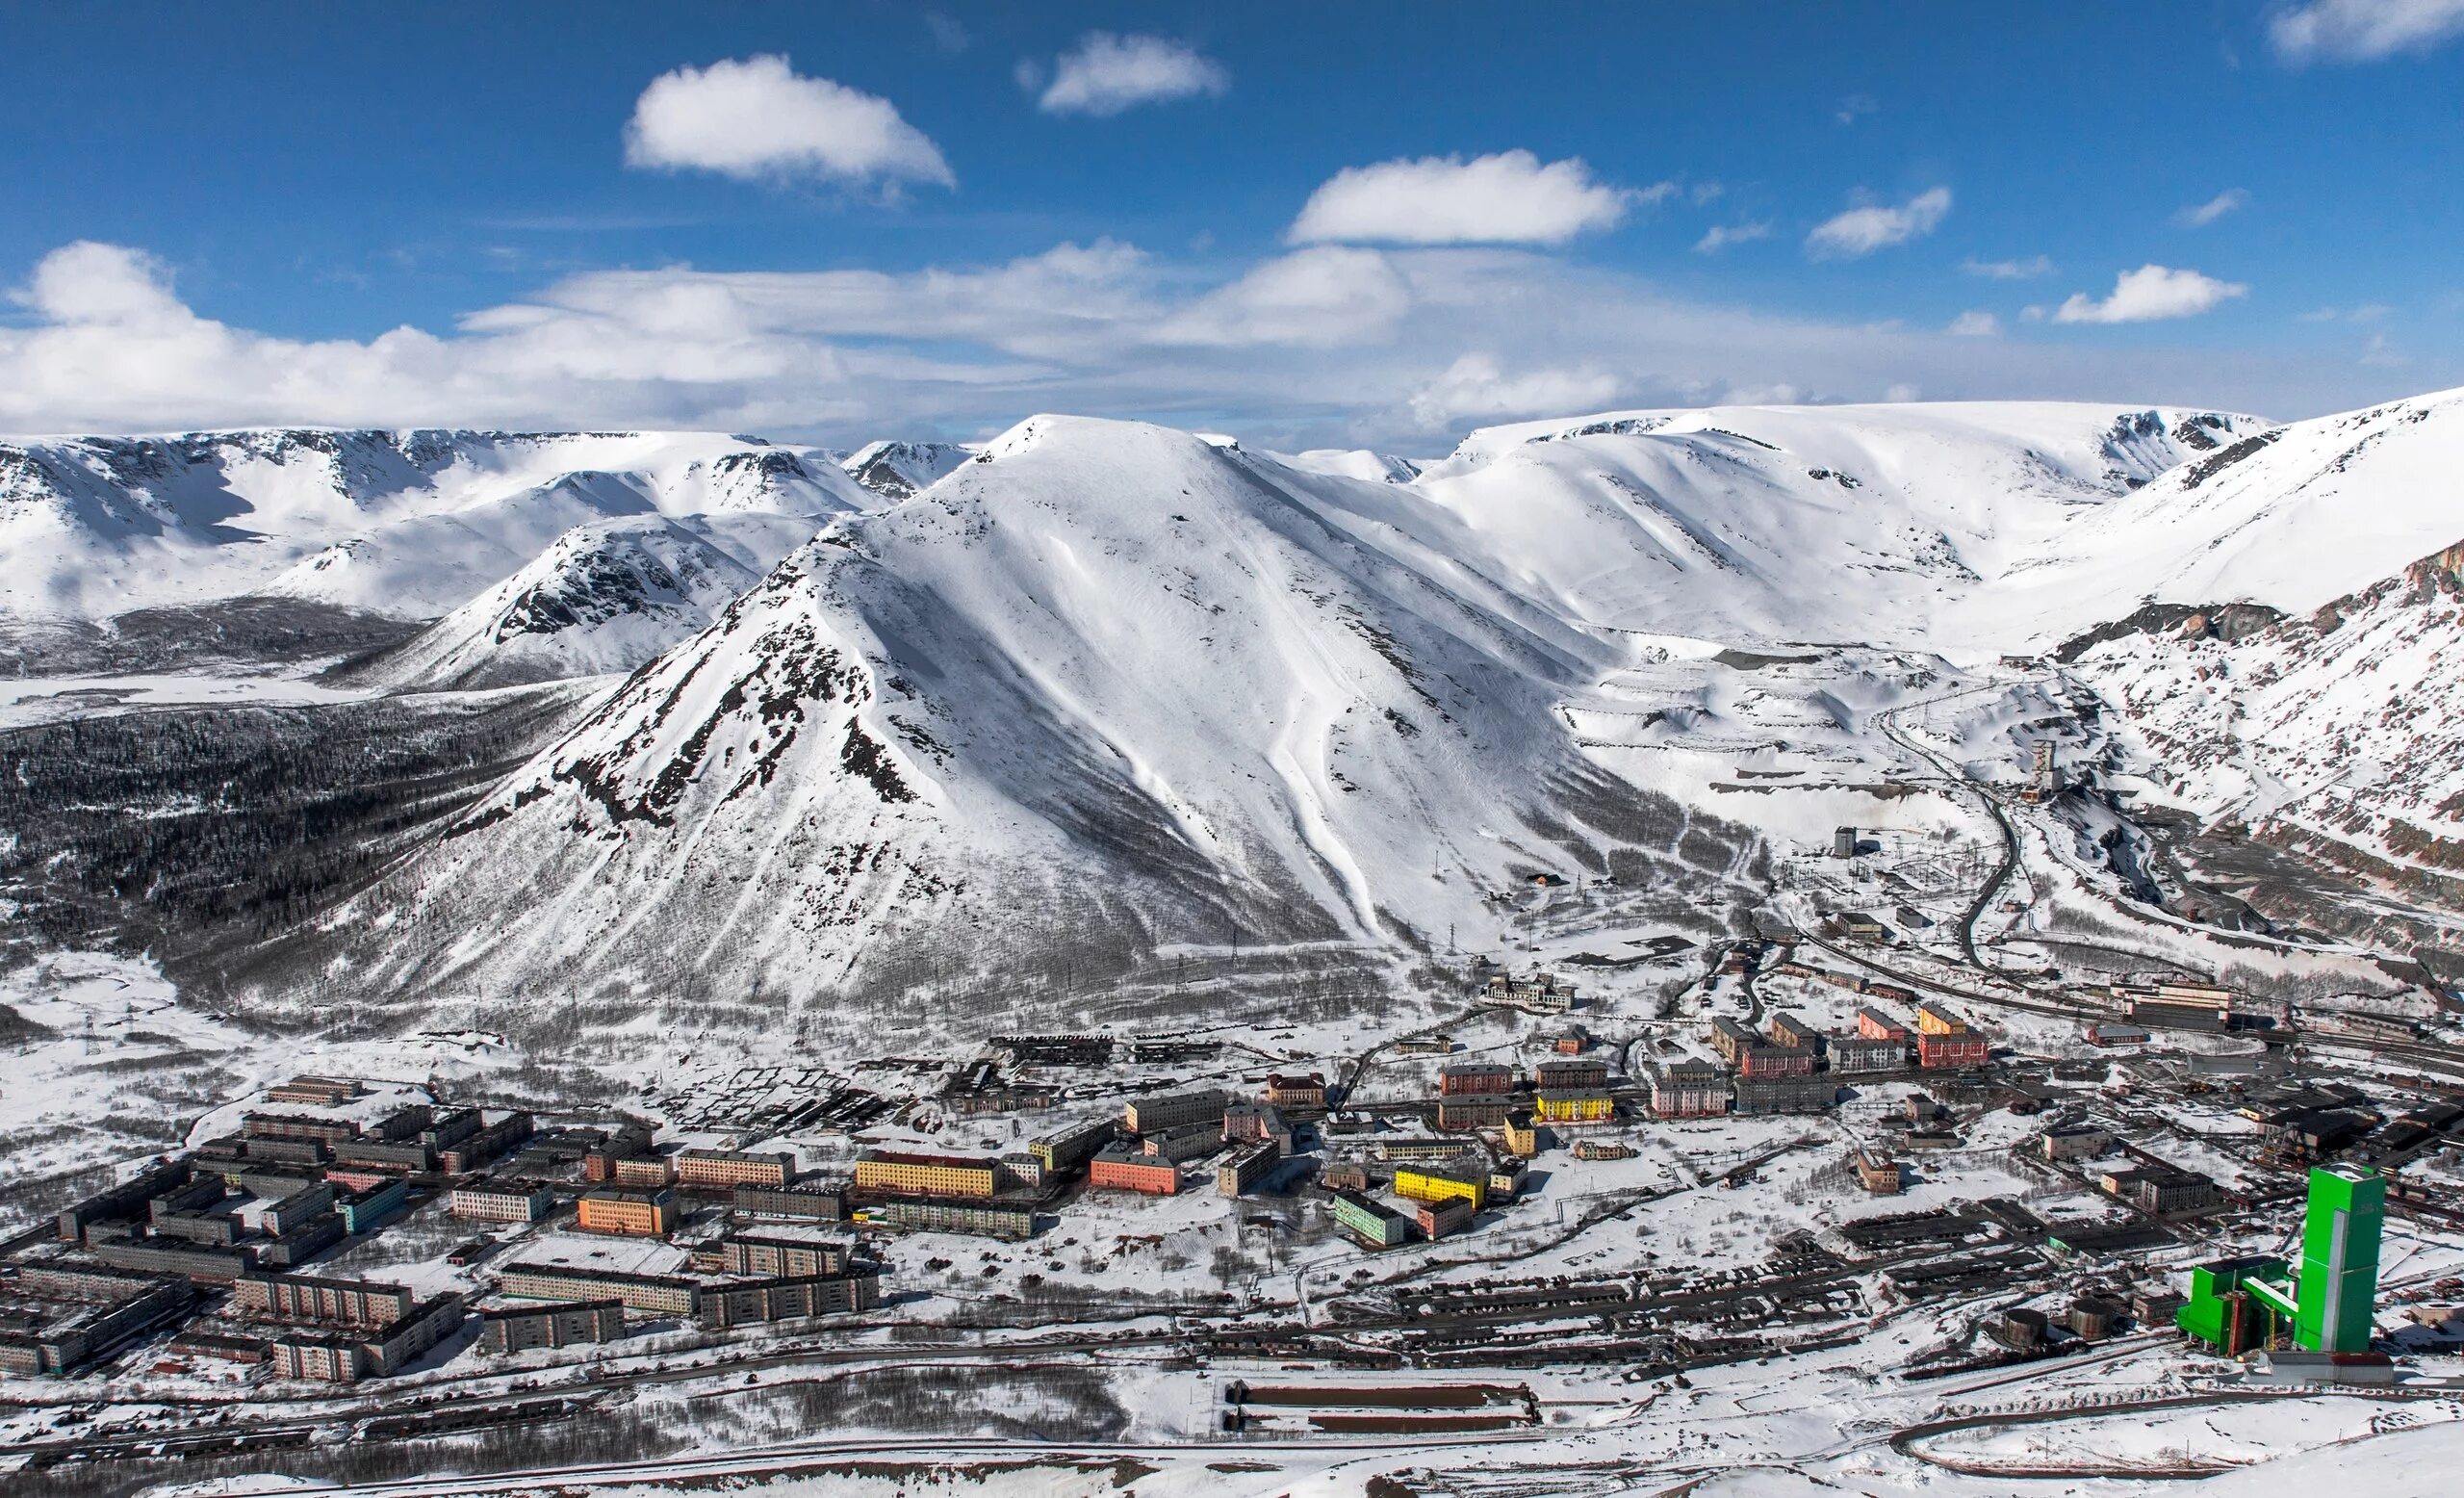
[
  {"x": 1775, "y": 1061},
  {"x": 1876, "y": 1025},
  {"x": 1142, "y": 1173},
  {"x": 1954, "y": 1050},
  {"x": 1458, "y": 1081}
]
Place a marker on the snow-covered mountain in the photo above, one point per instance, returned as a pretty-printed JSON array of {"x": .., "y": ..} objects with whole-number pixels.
[
  {"x": 410, "y": 523},
  {"x": 896, "y": 470},
  {"x": 603, "y": 597}
]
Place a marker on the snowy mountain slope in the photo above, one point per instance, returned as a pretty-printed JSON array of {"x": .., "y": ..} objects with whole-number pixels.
[
  {"x": 2345, "y": 724},
  {"x": 409, "y": 523},
  {"x": 1352, "y": 463},
  {"x": 896, "y": 470},
  {"x": 603, "y": 597},
  {"x": 1109, "y": 690},
  {"x": 2289, "y": 516}
]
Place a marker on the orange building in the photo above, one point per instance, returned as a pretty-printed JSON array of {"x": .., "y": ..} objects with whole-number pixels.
[
  {"x": 1145, "y": 1173},
  {"x": 632, "y": 1214},
  {"x": 923, "y": 1174}
]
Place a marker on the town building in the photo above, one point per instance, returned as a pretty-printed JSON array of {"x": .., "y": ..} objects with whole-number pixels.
[
  {"x": 1687, "y": 1090},
  {"x": 1246, "y": 1168},
  {"x": 632, "y": 1214},
  {"x": 1574, "y": 1108},
  {"x": 924, "y": 1174},
  {"x": 662, "y": 1295},
  {"x": 518, "y": 1329},
  {"x": 1174, "y": 1110},
  {"x": 1343, "y": 1175},
  {"x": 1933, "y": 1018},
  {"x": 1788, "y": 1028},
  {"x": 1875, "y": 1026},
  {"x": 59, "y": 1316},
  {"x": 310, "y": 1297},
  {"x": 123, "y": 1201},
  {"x": 2074, "y": 1142},
  {"x": 1371, "y": 1222},
  {"x": 1115, "y": 1169},
  {"x": 641, "y": 1172},
  {"x": 1439, "y": 1218},
  {"x": 782, "y": 1258},
  {"x": 480, "y": 1145},
  {"x": 314, "y": 1091},
  {"x": 1775, "y": 1061},
  {"x": 1573, "y": 1041},
  {"x": 1425, "y": 1046},
  {"x": 1477, "y": 1112},
  {"x": 1429, "y": 1185},
  {"x": 1295, "y": 1092},
  {"x": 1570, "y": 1074},
  {"x": 1423, "y": 1146},
  {"x": 297, "y": 1126},
  {"x": 501, "y": 1202},
  {"x": 1788, "y": 1094},
  {"x": 1477, "y": 1077},
  {"x": 1877, "y": 1173},
  {"x": 1073, "y": 1148},
  {"x": 152, "y": 1257},
  {"x": 1522, "y": 1133},
  {"x": 1180, "y": 1146},
  {"x": 1259, "y": 1122},
  {"x": 2113, "y": 1032},
  {"x": 954, "y": 1214},
  {"x": 726, "y": 1306},
  {"x": 1861, "y": 1054},
  {"x": 1952, "y": 1050},
  {"x": 1507, "y": 1179},
  {"x": 732, "y": 1167},
  {"x": 330, "y": 1357},
  {"x": 1602, "y": 1149},
  {"x": 824, "y": 1202}
]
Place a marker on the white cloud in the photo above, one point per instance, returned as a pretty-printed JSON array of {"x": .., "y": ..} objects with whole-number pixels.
[
  {"x": 1974, "y": 324},
  {"x": 757, "y": 118},
  {"x": 1507, "y": 198},
  {"x": 1860, "y": 231},
  {"x": 1475, "y": 387},
  {"x": 1323, "y": 296},
  {"x": 2366, "y": 312},
  {"x": 2150, "y": 293},
  {"x": 2378, "y": 353},
  {"x": 1105, "y": 73},
  {"x": 1719, "y": 237},
  {"x": 2199, "y": 216},
  {"x": 2008, "y": 269},
  {"x": 1322, "y": 346},
  {"x": 2363, "y": 31},
  {"x": 1901, "y": 394},
  {"x": 1854, "y": 107}
]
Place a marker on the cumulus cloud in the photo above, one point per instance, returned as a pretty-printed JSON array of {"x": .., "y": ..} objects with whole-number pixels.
[
  {"x": 2150, "y": 293},
  {"x": 1105, "y": 74},
  {"x": 1720, "y": 236},
  {"x": 1506, "y": 198},
  {"x": 757, "y": 118},
  {"x": 1974, "y": 324},
  {"x": 1324, "y": 345},
  {"x": 2199, "y": 216},
  {"x": 1860, "y": 231},
  {"x": 1475, "y": 387},
  {"x": 2008, "y": 269},
  {"x": 2363, "y": 31}
]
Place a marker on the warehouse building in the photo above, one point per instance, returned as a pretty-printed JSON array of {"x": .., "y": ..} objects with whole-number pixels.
[
  {"x": 924, "y": 1174},
  {"x": 519, "y": 1328}
]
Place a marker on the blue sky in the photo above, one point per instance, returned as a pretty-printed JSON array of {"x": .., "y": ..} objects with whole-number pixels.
[{"x": 1360, "y": 223}]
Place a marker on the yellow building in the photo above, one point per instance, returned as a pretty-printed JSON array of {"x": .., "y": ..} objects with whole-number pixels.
[
  {"x": 924, "y": 1174},
  {"x": 1430, "y": 1186},
  {"x": 1934, "y": 1020},
  {"x": 1573, "y": 1108},
  {"x": 634, "y": 1214},
  {"x": 1522, "y": 1135}
]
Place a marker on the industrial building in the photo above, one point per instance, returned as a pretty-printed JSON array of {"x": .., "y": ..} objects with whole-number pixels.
[
  {"x": 2326, "y": 1307},
  {"x": 632, "y": 1214},
  {"x": 924, "y": 1174}
]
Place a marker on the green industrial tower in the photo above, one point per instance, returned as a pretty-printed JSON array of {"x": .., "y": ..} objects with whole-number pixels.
[{"x": 2340, "y": 1259}]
